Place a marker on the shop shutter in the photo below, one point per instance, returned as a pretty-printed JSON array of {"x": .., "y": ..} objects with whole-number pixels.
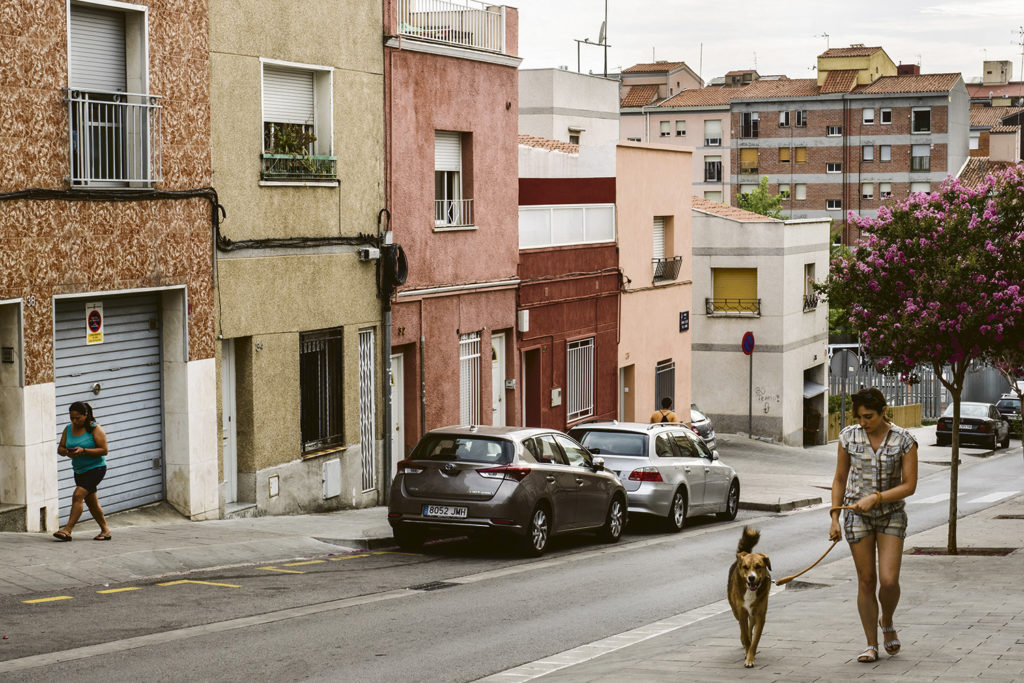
[
  {"x": 287, "y": 95},
  {"x": 97, "y": 60}
]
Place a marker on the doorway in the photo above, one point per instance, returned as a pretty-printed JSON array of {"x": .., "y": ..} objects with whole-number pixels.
[
  {"x": 229, "y": 420},
  {"x": 531, "y": 388},
  {"x": 397, "y": 412},
  {"x": 498, "y": 379},
  {"x": 627, "y": 411}
]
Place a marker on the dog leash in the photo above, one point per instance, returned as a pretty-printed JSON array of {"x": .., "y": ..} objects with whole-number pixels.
[{"x": 786, "y": 579}]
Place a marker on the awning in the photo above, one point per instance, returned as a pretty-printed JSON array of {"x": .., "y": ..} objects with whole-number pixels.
[{"x": 812, "y": 389}]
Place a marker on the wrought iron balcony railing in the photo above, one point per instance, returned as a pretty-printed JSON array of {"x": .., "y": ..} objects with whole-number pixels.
[
  {"x": 467, "y": 23},
  {"x": 115, "y": 138},
  {"x": 810, "y": 302},
  {"x": 666, "y": 269},
  {"x": 451, "y": 213},
  {"x": 741, "y": 307},
  {"x": 299, "y": 167}
]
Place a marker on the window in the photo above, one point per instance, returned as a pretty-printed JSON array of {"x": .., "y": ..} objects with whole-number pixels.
[
  {"x": 834, "y": 167},
  {"x": 833, "y": 130},
  {"x": 867, "y": 190},
  {"x": 800, "y": 191},
  {"x": 974, "y": 140},
  {"x": 450, "y": 207},
  {"x": 784, "y": 190},
  {"x": 747, "y": 188},
  {"x": 885, "y": 115},
  {"x": 665, "y": 132},
  {"x": 885, "y": 152},
  {"x": 658, "y": 232},
  {"x": 869, "y": 117},
  {"x": 783, "y": 119},
  {"x": 545, "y": 226},
  {"x": 834, "y": 204},
  {"x": 920, "y": 187},
  {"x": 921, "y": 120},
  {"x": 920, "y": 157},
  {"x": 576, "y": 456},
  {"x": 713, "y": 169},
  {"x": 867, "y": 152},
  {"x": 680, "y": 128},
  {"x": 713, "y": 195},
  {"x": 713, "y": 133},
  {"x": 784, "y": 153},
  {"x": 800, "y": 154},
  {"x": 297, "y": 123},
  {"x": 114, "y": 125},
  {"x": 884, "y": 190},
  {"x": 748, "y": 125},
  {"x": 469, "y": 378},
  {"x": 748, "y": 160},
  {"x": 810, "y": 296},
  {"x": 664, "y": 381},
  {"x": 801, "y": 118},
  {"x": 574, "y": 137},
  {"x": 580, "y": 379},
  {"x": 734, "y": 291},
  {"x": 321, "y": 416}
]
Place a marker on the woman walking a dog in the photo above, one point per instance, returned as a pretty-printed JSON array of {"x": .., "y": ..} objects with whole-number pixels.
[{"x": 876, "y": 469}]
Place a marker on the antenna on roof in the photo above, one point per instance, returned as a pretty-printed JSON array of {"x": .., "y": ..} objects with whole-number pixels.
[{"x": 825, "y": 36}]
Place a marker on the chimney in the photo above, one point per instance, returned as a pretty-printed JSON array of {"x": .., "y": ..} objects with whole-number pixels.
[
  {"x": 908, "y": 70},
  {"x": 1004, "y": 144}
]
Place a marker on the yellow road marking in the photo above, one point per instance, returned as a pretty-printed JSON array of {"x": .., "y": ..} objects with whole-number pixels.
[
  {"x": 54, "y": 598},
  {"x": 203, "y": 583},
  {"x": 283, "y": 571},
  {"x": 299, "y": 564},
  {"x": 395, "y": 552},
  {"x": 120, "y": 590},
  {"x": 345, "y": 557}
]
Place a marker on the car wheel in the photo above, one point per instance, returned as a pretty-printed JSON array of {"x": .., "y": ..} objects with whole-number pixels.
[
  {"x": 732, "y": 503},
  {"x": 677, "y": 511},
  {"x": 407, "y": 539},
  {"x": 538, "y": 531},
  {"x": 993, "y": 444},
  {"x": 615, "y": 522}
]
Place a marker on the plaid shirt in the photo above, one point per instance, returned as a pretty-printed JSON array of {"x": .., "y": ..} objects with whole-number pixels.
[{"x": 871, "y": 470}]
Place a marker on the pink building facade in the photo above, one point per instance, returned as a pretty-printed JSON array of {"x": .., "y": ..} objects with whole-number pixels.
[{"x": 451, "y": 107}]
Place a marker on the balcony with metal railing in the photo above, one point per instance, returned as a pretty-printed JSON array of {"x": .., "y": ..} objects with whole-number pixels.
[
  {"x": 666, "y": 269},
  {"x": 466, "y": 23},
  {"x": 453, "y": 213},
  {"x": 299, "y": 167},
  {"x": 115, "y": 139},
  {"x": 810, "y": 302},
  {"x": 750, "y": 308}
]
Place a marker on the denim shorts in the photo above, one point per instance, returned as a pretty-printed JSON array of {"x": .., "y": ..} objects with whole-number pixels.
[
  {"x": 858, "y": 526},
  {"x": 90, "y": 479}
]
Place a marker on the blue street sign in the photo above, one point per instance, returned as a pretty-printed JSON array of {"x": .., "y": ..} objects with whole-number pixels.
[{"x": 748, "y": 343}]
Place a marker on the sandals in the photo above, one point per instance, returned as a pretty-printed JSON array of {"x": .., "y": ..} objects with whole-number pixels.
[
  {"x": 869, "y": 655},
  {"x": 62, "y": 536},
  {"x": 103, "y": 537},
  {"x": 891, "y": 646}
]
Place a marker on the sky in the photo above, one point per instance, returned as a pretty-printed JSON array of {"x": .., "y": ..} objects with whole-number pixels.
[{"x": 782, "y": 37}]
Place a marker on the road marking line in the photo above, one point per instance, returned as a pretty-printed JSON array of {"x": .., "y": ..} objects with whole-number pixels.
[
  {"x": 589, "y": 651},
  {"x": 931, "y": 499},
  {"x": 201, "y": 583},
  {"x": 283, "y": 571},
  {"x": 993, "y": 497},
  {"x": 53, "y": 599},
  {"x": 176, "y": 635},
  {"x": 338, "y": 559},
  {"x": 396, "y": 552},
  {"x": 120, "y": 590},
  {"x": 299, "y": 564}
]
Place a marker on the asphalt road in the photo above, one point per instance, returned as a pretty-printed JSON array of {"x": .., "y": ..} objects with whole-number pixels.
[{"x": 459, "y": 611}]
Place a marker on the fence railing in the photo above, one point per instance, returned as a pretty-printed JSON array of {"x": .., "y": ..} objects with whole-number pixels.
[
  {"x": 299, "y": 167},
  {"x": 666, "y": 268},
  {"x": 925, "y": 387},
  {"x": 810, "y": 302},
  {"x": 749, "y": 307},
  {"x": 460, "y": 22},
  {"x": 453, "y": 212},
  {"x": 905, "y": 416},
  {"x": 115, "y": 138}
]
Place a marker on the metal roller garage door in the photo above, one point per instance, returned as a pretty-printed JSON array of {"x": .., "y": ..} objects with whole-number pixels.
[{"x": 126, "y": 366}]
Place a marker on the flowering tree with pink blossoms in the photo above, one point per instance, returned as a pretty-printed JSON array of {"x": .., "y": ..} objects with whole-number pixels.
[{"x": 938, "y": 279}]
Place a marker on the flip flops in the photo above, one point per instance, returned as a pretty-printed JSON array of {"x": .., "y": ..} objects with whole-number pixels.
[
  {"x": 102, "y": 537},
  {"x": 62, "y": 536}
]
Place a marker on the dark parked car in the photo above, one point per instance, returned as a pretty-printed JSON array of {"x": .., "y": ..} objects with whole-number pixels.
[
  {"x": 530, "y": 484},
  {"x": 1009, "y": 407},
  {"x": 979, "y": 423}
]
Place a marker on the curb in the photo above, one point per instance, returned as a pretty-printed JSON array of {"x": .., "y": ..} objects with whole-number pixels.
[
  {"x": 362, "y": 543},
  {"x": 780, "y": 506}
]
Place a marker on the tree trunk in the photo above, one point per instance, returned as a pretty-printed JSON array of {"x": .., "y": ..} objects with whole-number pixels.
[{"x": 954, "y": 466}]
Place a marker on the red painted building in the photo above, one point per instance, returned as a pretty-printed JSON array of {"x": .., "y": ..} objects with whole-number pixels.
[{"x": 569, "y": 288}]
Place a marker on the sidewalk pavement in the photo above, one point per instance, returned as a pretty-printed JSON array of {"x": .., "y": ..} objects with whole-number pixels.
[{"x": 156, "y": 541}]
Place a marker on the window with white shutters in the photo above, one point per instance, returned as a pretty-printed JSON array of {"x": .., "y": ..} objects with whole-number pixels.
[
  {"x": 297, "y": 123},
  {"x": 713, "y": 133},
  {"x": 469, "y": 379},
  {"x": 451, "y": 209},
  {"x": 580, "y": 380},
  {"x": 659, "y": 237}
]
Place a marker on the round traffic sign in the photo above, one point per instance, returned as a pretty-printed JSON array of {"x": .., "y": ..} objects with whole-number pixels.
[
  {"x": 95, "y": 321},
  {"x": 748, "y": 343}
]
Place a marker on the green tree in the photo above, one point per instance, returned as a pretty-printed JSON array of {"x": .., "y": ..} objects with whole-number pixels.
[{"x": 762, "y": 201}]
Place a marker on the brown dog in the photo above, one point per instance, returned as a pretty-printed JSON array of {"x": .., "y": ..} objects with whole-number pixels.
[{"x": 749, "y": 583}]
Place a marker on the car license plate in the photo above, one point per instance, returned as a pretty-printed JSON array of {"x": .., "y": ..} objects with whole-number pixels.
[
  {"x": 967, "y": 427},
  {"x": 446, "y": 511}
]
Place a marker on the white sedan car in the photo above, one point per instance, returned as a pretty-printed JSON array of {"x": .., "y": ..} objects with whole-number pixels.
[{"x": 668, "y": 471}]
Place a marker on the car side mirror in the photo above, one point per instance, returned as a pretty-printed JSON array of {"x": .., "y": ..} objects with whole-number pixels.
[
  {"x": 597, "y": 464},
  {"x": 714, "y": 454}
]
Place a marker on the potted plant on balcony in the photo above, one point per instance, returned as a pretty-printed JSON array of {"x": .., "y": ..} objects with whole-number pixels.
[{"x": 288, "y": 148}]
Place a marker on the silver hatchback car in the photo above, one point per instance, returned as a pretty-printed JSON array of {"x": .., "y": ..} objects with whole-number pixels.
[
  {"x": 668, "y": 471},
  {"x": 528, "y": 483}
]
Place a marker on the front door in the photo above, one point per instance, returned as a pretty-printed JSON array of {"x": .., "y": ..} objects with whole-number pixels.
[
  {"x": 498, "y": 380},
  {"x": 229, "y": 433},
  {"x": 397, "y": 412}
]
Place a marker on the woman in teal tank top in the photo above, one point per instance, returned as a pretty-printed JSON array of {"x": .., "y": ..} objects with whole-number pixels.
[{"x": 85, "y": 443}]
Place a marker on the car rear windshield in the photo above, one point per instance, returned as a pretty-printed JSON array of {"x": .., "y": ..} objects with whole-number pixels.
[
  {"x": 451, "y": 447},
  {"x": 612, "y": 443},
  {"x": 1012, "y": 403},
  {"x": 968, "y": 410}
]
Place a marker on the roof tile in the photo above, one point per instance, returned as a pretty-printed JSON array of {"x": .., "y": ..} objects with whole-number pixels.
[
  {"x": 730, "y": 212},
  {"x": 839, "y": 81},
  {"x": 550, "y": 145},
  {"x": 654, "y": 67},
  {"x": 982, "y": 116},
  {"x": 849, "y": 52},
  {"x": 977, "y": 168},
  {"x": 640, "y": 96},
  {"x": 910, "y": 83}
]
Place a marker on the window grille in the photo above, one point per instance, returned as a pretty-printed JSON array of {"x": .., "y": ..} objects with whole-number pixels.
[
  {"x": 320, "y": 386},
  {"x": 580, "y": 379},
  {"x": 665, "y": 382},
  {"x": 469, "y": 379},
  {"x": 367, "y": 409}
]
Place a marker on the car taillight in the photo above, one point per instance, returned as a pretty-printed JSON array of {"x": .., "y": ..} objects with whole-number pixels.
[
  {"x": 407, "y": 467},
  {"x": 983, "y": 428},
  {"x": 944, "y": 424},
  {"x": 645, "y": 474},
  {"x": 694, "y": 429},
  {"x": 517, "y": 472}
]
